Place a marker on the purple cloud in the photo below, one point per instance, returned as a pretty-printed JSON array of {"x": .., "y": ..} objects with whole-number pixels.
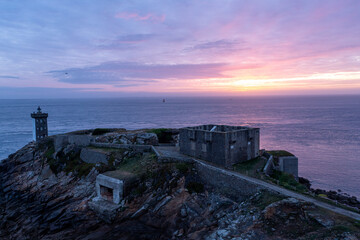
[
  {"x": 220, "y": 45},
  {"x": 126, "y": 41},
  {"x": 137, "y": 17},
  {"x": 10, "y": 77},
  {"x": 117, "y": 72},
  {"x": 158, "y": 44}
]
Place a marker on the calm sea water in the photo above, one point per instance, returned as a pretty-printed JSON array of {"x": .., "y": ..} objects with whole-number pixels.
[{"x": 324, "y": 132}]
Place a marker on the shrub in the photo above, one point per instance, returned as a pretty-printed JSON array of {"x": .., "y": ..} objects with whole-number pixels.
[
  {"x": 163, "y": 134},
  {"x": 280, "y": 153},
  {"x": 342, "y": 228},
  {"x": 322, "y": 195},
  {"x": 68, "y": 163},
  {"x": 44, "y": 143},
  {"x": 140, "y": 190},
  {"x": 288, "y": 181},
  {"x": 49, "y": 153},
  {"x": 265, "y": 199},
  {"x": 182, "y": 167},
  {"x": 101, "y": 131},
  {"x": 357, "y": 223},
  {"x": 195, "y": 187}
]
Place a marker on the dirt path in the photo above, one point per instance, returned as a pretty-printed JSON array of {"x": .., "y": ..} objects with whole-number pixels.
[{"x": 174, "y": 153}]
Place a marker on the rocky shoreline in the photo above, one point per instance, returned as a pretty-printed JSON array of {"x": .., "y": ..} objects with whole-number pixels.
[
  {"x": 40, "y": 200},
  {"x": 335, "y": 196},
  {"x": 338, "y": 197}
]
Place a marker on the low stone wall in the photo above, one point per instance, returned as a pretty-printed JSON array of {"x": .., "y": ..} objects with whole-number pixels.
[
  {"x": 61, "y": 141},
  {"x": 226, "y": 183},
  {"x": 80, "y": 140},
  {"x": 141, "y": 148}
]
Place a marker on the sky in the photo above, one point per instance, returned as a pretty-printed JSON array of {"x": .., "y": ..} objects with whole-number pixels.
[{"x": 71, "y": 49}]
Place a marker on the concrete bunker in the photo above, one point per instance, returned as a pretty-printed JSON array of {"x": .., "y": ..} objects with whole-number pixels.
[
  {"x": 220, "y": 144},
  {"x": 109, "y": 188},
  {"x": 112, "y": 186},
  {"x": 289, "y": 164}
]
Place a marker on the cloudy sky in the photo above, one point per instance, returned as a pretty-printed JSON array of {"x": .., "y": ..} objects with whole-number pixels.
[{"x": 186, "y": 47}]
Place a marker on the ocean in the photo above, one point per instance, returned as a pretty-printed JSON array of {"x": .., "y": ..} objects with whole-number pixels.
[{"x": 322, "y": 131}]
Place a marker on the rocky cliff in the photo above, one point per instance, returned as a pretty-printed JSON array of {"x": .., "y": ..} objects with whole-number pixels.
[{"x": 45, "y": 194}]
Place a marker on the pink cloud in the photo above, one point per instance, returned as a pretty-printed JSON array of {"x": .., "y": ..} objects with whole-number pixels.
[{"x": 134, "y": 16}]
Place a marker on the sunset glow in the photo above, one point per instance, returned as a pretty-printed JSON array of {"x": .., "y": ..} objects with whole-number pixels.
[{"x": 143, "y": 48}]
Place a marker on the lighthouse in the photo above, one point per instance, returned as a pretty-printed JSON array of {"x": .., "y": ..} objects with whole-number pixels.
[{"x": 40, "y": 129}]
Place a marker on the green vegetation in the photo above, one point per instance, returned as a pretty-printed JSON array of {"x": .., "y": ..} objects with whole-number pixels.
[
  {"x": 280, "y": 153},
  {"x": 138, "y": 165},
  {"x": 195, "y": 187},
  {"x": 139, "y": 190},
  {"x": 159, "y": 175},
  {"x": 68, "y": 163},
  {"x": 250, "y": 167},
  {"x": 163, "y": 134},
  {"x": 266, "y": 198},
  {"x": 44, "y": 144},
  {"x": 81, "y": 132},
  {"x": 339, "y": 219},
  {"x": 288, "y": 181},
  {"x": 323, "y": 198},
  {"x": 183, "y": 167},
  {"x": 322, "y": 195},
  {"x": 50, "y": 152},
  {"x": 342, "y": 228},
  {"x": 78, "y": 167},
  {"x": 101, "y": 131},
  {"x": 357, "y": 224}
]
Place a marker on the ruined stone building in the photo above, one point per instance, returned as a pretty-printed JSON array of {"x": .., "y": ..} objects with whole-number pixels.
[{"x": 220, "y": 144}]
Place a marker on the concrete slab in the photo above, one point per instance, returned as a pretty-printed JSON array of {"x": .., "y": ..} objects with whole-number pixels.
[
  {"x": 171, "y": 154},
  {"x": 104, "y": 209}
]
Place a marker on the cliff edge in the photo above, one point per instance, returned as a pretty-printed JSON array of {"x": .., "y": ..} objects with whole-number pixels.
[{"x": 46, "y": 189}]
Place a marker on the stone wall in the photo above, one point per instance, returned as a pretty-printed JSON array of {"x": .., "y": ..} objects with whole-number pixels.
[
  {"x": 225, "y": 182},
  {"x": 140, "y": 148},
  {"x": 61, "y": 141},
  {"x": 80, "y": 140}
]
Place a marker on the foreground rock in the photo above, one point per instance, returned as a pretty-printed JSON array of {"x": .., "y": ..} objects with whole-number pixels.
[{"x": 45, "y": 195}]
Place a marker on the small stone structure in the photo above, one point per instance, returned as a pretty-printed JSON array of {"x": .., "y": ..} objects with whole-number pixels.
[
  {"x": 220, "y": 144},
  {"x": 269, "y": 166},
  {"x": 40, "y": 128},
  {"x": 113, "y": 185},
  {"x": 109, "y": 188},
  {"x": 289, "y": 164}
]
